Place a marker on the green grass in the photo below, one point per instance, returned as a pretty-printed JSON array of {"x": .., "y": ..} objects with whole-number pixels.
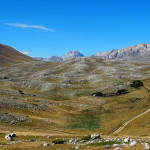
[
  {"x": 144, "y": 135},
  {"x": 59, "y": 98},
  {"x": 84, "y": 121},
  {"x": 84, "y": 93},
  {"x": 104, "y": 143}
]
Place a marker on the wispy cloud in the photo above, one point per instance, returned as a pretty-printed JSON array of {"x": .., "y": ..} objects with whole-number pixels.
[
  {"x": 29, "y": 26},
  {"x": 25, "y": 52}
]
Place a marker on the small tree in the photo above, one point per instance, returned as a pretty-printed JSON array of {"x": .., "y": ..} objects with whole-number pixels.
[
  {"x": 122, "y": 91},
  {"x": 136, "y": 83}
]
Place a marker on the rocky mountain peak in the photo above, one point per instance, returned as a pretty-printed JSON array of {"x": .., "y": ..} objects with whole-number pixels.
[
  {"x": 72, "y": 54},
  {"x": 69, "y": 55},
  {"x": 142, "y": 45}
]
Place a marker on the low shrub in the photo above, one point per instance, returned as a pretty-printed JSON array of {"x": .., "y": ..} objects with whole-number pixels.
[
  {"x": 122, "y": 91},
  {"x": 98, "y": 94},
  {"x": 87, "y": 138},
  {"x": 58, "y": 141},
  {"x": 136, "y": 83}
]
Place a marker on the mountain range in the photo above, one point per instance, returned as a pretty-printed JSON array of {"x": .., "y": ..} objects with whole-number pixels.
[
  {"x": 68, "y": 55},
  {"x": 44, "y": 102},
  {"x": 135, "y": 52},
  {"x": 140, "y": 52}
]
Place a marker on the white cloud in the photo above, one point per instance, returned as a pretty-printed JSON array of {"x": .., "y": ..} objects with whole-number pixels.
[
  {"x": 25, "y": 52},
  {"x": 29, "y": 26}
]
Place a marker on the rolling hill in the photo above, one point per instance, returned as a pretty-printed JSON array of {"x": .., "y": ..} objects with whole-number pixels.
[{"x": 9, "y": 55}]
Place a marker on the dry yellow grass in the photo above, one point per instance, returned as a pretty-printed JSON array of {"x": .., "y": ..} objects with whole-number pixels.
[{"x": 113, "y": 112}]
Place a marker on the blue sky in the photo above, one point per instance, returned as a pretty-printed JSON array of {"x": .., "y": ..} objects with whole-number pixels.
[{"x": 53, "y": 27}]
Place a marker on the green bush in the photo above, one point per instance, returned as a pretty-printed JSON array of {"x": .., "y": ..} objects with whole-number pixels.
[
  {"x": 122, "y": 91},
  {"x": 98, "y": 94},
  {"x": 136, "y": 83},
  {"x": 59, "y": 141},
  {"x": 87, "y": 138}
]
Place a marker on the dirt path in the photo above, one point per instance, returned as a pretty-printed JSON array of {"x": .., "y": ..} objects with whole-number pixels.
[
  {"x": 126, "y": 123},
  {"x": 135, "y": 117}
]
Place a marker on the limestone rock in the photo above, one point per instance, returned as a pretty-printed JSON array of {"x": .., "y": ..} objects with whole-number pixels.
[
  {"x": 45, "y": 144},
  {"x": 95, "y": 136},
  {"x": 8, "y": 137},
  {"x": 133, "y": 143}
]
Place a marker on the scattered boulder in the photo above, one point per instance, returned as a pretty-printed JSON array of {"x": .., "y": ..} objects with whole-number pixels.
[
  {"x": 117, "y": 148},
  {"x": 146, "y": 146},
  {"x": 95, "y": 136},
  {"x": 8, "y": 137},
  {"x": 13, "y": 122},
  {"x": 136, "y": 99},
  {"x": 77, "y": 147},
  {"x": 107, "y": 146},
  {"x": 48, "y": 136},
  {"x": 71, "y": 140},
  {"x": 127, "y": 139},
  {"x": 45, "y": 144},
  {"x": 82, "y": 141},
  {"x": 115, "y": 145},
  {"x": 133, "y": 143},
  {"x": 76, "y": 140},
  {"x": 13, "y": 134}
]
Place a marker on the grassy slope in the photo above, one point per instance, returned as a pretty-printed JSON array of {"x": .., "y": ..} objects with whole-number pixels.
[
  {"x": 112, "y": 112},
  {"x": 8, "y": 54}
]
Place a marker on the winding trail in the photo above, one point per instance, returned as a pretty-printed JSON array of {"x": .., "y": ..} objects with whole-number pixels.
[{"x": 135, "y": 117}]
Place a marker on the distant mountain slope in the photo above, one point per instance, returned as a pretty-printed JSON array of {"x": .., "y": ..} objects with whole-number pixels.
[
  {"x": 72, "y": 54},
  {"x": 9, "y": 54},
  {"x": 50, "y": 59},
  {"x": 54, "y": 58},
  {"x": 140, "y": 51},
  {"x": 68, "y": 55}
]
